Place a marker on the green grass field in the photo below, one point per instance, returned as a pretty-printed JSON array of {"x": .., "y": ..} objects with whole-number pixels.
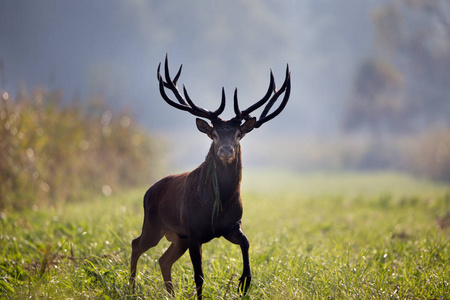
[{"x": 315, "y": 236}]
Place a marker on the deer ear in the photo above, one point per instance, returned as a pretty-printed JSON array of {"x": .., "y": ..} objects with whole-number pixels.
[
  {"x": 203, "y": 126},
  {"x": 248, "y": 125}
]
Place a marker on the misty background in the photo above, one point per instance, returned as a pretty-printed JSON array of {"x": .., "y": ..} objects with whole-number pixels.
[{"x": 370, "y": 79}]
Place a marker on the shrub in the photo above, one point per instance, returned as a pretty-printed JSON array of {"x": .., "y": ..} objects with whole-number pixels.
[
  {"x": 51, "y": 153},
  {"x": 428, "y": 155}
]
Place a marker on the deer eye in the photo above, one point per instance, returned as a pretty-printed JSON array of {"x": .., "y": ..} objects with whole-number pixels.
[{"x": 215, "y": 135}]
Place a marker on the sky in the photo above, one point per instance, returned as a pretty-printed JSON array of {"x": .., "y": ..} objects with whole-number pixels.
[{"x": 113, "y": 48}]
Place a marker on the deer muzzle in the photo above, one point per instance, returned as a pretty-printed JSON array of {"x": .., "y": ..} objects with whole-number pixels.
[{"x": 226, "y": 153}]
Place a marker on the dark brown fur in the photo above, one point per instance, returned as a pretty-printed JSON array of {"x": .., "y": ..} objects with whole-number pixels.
[
  {"x": 192, "y": 208},
  {"x": 181, "y": 208}
]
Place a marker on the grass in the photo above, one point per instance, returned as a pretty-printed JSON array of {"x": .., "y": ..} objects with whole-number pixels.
[{"x": 319, "y": 236}]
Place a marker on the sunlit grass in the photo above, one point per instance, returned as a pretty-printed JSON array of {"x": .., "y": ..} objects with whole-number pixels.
[{"x": 336, "y": 236}]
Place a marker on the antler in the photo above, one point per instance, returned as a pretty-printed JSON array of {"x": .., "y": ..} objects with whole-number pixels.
[
  {"x": 285, "y": 88},
  {"x": 184, "y": 104}
]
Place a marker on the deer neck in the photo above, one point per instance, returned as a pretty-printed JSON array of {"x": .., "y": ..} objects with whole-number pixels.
[{"x": 228, "y": 174}]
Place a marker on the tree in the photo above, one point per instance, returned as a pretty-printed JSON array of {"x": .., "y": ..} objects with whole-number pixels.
[
  {"x": 412, "y": 39},
  {"x": 376, "y": 103}
]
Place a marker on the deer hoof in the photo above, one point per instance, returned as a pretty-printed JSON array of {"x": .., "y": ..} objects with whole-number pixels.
[{"x": 244, "y": 284}]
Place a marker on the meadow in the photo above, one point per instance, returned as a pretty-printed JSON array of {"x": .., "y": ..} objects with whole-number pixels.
[{"x": 312, "y": 236}]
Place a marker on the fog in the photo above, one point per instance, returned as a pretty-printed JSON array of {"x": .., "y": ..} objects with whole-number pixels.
[{"x": 112, "y": 49}]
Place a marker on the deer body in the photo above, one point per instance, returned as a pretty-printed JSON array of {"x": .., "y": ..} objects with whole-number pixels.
[
  {"x": 192, "y": 208},
  {"x": 171, "y": 201}
]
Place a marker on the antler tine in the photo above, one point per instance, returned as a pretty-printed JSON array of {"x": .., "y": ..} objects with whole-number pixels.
[
  {"x": 186, "y": 105},
  {"x": 174, "y": 80},
  {"x": 168, "y": 100},
  {"x": 209, "y": 114},
  {"x": 168, "y": 85},
  {"x": 222, "y": 104},
  {"x": 286, "y": 89},
  {"x": 172, "y": 84},
  {"x": 236, "y": 106},
  {"x": 244, "y": 114},
  {"x": 178, "y": 75},
  {"x": 274, "y": 98}
]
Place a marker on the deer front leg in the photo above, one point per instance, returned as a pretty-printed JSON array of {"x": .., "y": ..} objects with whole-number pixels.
[
  {"x": 238, "y": 237},
  {"x": 195, "y": 251}
]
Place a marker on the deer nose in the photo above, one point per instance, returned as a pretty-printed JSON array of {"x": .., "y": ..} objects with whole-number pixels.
[{"x": 226, "y": 151}]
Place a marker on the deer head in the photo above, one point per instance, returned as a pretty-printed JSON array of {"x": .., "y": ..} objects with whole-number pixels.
[{"x": 225, "y": 134}]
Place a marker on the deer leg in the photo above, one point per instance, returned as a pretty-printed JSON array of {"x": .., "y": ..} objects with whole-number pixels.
[
  {"x": 238, "y": 237},
  {"x": 175, "y": 251},
  {"x": 195, "y": 251},
  {"x": 149, "y": 237}
]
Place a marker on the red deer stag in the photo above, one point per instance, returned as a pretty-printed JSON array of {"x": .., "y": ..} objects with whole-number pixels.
[{"x": 191, "y": 209}]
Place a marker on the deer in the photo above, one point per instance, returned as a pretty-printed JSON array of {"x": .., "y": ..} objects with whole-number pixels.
[{"x": 192, "y": 208}]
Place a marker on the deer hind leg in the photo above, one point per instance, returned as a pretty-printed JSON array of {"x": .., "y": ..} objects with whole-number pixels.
[
  {"x": 172, "y": 254},
  {"x": 150, "y": 237},
  {"x": 238, "y": 237}
]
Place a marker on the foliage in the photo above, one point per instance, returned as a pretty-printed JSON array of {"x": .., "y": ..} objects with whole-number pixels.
[
  {"x": 341, "y": 236},
  {"x": 52, "y": 153}
]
